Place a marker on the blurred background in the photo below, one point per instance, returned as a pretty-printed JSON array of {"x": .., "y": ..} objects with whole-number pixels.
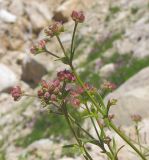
[{"x": 112, "y": 44}]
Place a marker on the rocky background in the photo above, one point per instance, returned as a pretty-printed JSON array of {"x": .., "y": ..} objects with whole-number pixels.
[{"x": 113, "y": 44}]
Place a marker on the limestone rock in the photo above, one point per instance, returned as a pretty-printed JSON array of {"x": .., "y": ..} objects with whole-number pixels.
[
  {"x": 136, "y": 39},
  {"x": 17, "y": 7},
  {"x": 45, "y": 148},
  {"x": 7, "y": 78},
  {"x": 132, "y": 97},
  {"x": 7, "y": 16},
  {"x": 107, "y": 70},
  {"x": 38, "y": 14}
]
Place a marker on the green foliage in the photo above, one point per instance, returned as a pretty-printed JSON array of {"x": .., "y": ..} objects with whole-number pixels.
[
  {"x": 114, "y": 9},
  {"x": 99, "y": 49},
  {"x": 2, "y": 155},
  {"x": 128, "y": 69},
  {"x": 134, "y": 10},
  {"x": 46, "y": 125}
]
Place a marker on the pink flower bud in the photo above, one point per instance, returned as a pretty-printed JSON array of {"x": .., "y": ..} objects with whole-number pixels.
[
  {"x": 75, "y": 102},
  {"x": 42, "y": 44},
  {"x": 53, "y": 97},
  {"x": 78, "y": 16},
  {"x": 55, "y": 29},
  {"x": 33, "y": 50},
  {"x": 61, "y": 75},
  {"x": 66, "y": 75},
  {"x": 47, "y": 95},
  {"x": 136, "y": 118},
  {"x": 74, "y": 94},
  {"x": 109, "y": 86},
  {"x": 44, "y": 84},
  {"x": 56, "y": 83},
  {"x": 16, "y": 93},
  {"x": 68, "y": 87},
  {"x": 48, "y": 32},
  {"x": 40, "y": 93},
  {"x": 80, "y": 90}
]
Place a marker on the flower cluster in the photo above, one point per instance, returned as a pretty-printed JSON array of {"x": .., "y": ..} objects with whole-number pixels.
[
  {"x": 38, "y": 48},
  {"x": 49, "y": 91},
  {"x": 16, "y": 93},
  {"x": 78, "y": 16},
  {"x": 136, "y": 118},
  {"x": 55, "y": 29},
  {"x": 66, "y": 75},
  {"x": 108, "y": 85},
  {"x": 53, "y": 91}
]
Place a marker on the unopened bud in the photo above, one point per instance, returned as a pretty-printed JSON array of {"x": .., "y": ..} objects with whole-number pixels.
[
  {"x": 53, "y": 97},
  {"x": 55, "y": 29},
  {"x": 78, "y": 16},
  {"x": 136, "y": 118},
  {"x": 16, "y": 93}
]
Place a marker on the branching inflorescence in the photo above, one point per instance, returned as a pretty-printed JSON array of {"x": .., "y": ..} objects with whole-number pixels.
[{"x": 67, "y": 89}]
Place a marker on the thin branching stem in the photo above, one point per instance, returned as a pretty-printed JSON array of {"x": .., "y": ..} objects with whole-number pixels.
[{"x": 72, "y": 42}]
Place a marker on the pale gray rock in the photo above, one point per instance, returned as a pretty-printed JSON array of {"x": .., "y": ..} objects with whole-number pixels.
[
  {"x": 39, "y": 14},
  {"x": 107, "y": 70},
  {"x": 7, "y": 78},
  {"x": 7, "y": 16},
  {"x": 45, "y": 148},
  {"x": 136, "y": 39},
  {"x": 132, "y": 98},
  {"x": 17, "y": 7}
]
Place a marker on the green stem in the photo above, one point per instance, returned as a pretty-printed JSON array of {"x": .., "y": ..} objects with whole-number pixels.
[
  {"x": 126, "y": 139},
  {"x": 28, "y": 95},
  {"x": 89, "y": 95},
  {"x": 138, "y": 136},
  {"x": 69, "y": 123},
  {"x": 86, "y": 152},
  {"x": 72, "y": 42},
  {"x": 114, "y": 156},
  {"x": 93, "y": 123},
  {"x": 104, "y": 150},
  {"x": 74, "y": 121},
  {"x": 51, "y": 53},
  {"x": 62, "y": 47},
  {"x": 110, "y": 123}
]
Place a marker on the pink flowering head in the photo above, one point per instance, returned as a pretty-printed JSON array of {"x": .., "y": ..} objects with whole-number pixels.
[
  {"x": 75, "y": 102},
  {"x": 66, "y": 75},
  {"x": 80, "y": 90},
  {"x": 40, "y": 93},
  {"x": 49, "y": 91},
  {"x": 56, "y": 83},
  {"x": 16, "y": 93},
  {"x": 39, "y": 47},
  {"x": 44, "y": 84},
  {"x": 136, "y": 118},
  {"x": 55, "y": 29},
  {"x": 109, "y": 86},
  {"x": 78, "y": 16},
  {"x": 46, "y": 95},
  {"x": 42, "y": 44}
]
